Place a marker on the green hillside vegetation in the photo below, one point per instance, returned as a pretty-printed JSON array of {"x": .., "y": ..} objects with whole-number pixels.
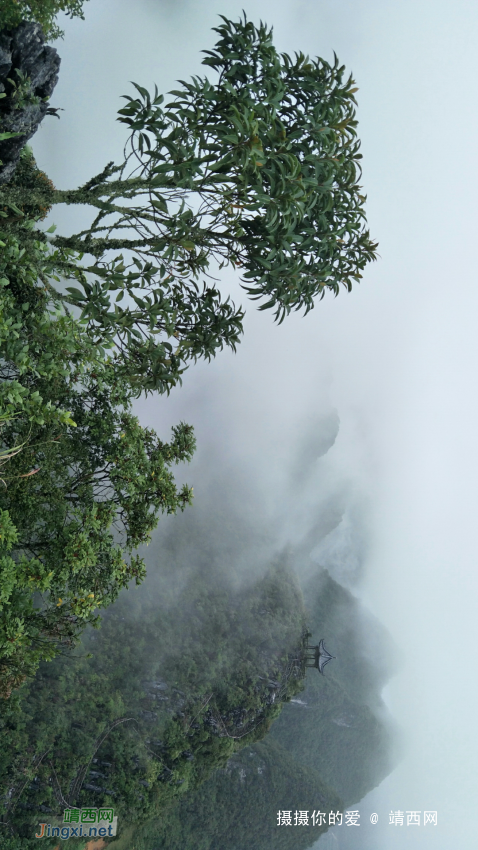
[
  {"x": 167, "y": 696},
  {"x": 195, "y": 663},
  {"x": 199, "y": 673},
  {"x": 325, "y": 751},
  {"x": 366, "y": 654},
  {"x": 237, "y": 807},
  {"x": 338, "y": 725}
]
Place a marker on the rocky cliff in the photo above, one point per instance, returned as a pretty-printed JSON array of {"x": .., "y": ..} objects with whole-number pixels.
[{"x": 28, "y": 74}]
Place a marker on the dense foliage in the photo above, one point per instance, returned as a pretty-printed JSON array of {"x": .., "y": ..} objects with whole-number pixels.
[
  {"x": 177, "y": 683},
  {"x": 258, "y": 170},
  {"x": 42, "y": 11},
  {"x": 82, "y": 482},
  {"x": 237, "y": 807},
  {"x": 327, "y": 749},
  {"x": 164, "y": 721}
]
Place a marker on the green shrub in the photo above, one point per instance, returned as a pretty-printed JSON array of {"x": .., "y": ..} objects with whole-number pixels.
[
  {"x": 41, "y": 11},
  {"x": 73, "y": 459}
]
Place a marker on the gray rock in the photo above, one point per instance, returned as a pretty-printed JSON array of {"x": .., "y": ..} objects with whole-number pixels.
[
  {"x": 5, "y": 55},
  {"x": 23, "y": 49},
  {"x": 149, "y": 716},
  {"x": 98, "y": 789}
]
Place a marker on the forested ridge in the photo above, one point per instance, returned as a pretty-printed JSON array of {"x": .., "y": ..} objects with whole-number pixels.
[
  {"x": 339, "y": 725},
  {"x": 172, "y": 689},
  {"x": 203, "y": 732}
]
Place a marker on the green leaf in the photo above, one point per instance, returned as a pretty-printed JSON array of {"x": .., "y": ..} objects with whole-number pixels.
[{"x": 75, "y": 293}]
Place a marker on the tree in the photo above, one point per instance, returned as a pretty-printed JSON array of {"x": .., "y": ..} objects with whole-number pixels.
[
  {"x": 258, "y": 170},
  {"x": 81, "y": 482},
  {"x": 68, "y": 535},
  {"x": 42, "y": 11}
]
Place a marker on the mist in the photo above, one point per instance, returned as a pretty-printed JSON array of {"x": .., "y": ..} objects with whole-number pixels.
[{"x": 350, "y": 433}]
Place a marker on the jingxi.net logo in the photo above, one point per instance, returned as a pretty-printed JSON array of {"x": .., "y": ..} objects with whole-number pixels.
[{"x": 82, "y": 823}]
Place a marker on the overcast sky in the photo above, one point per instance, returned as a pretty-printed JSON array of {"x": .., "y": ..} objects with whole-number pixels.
[{"x": 397, "y": 358}]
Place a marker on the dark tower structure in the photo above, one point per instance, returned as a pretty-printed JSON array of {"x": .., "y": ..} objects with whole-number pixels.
[{"x": 317, "y": 656}]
